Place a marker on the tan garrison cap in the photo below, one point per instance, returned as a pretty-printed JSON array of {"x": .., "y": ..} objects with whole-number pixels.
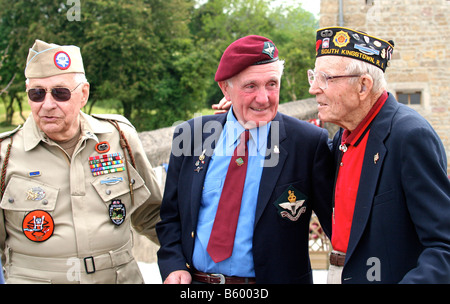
[{"x": 45, "y": 60}]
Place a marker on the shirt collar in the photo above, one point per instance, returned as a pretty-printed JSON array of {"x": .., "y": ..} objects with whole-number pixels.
[
  {"x": 353, "y": 137},
  {"x": 89, "y": 128},
  {"x": 234, "y": 129}
]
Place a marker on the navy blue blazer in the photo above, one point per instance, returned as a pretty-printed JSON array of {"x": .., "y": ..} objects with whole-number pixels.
[
  {"x": 401, "y": 222},
  {"x": 280, "y": 245}
]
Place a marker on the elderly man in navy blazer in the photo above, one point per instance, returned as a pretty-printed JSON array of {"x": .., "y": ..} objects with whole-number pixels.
[
  {"x": 283, "y": 174},
  {"x": 391, "y": 219}
]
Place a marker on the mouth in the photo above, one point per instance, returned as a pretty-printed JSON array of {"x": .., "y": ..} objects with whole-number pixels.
[
  {"x": 258, "y": 109},
  {"x": 49, "y": 118},
  {"x": 321, "y": 104}
]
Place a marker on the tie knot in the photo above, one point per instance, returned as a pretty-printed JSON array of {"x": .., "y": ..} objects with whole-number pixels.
[
  {"x": 242, "y": 146},
  {"x": 245, "y": 136}
]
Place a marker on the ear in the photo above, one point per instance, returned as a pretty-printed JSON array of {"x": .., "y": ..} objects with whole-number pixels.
[
  {"x": 224, "y": 86},
  {"x": 85, "y": 94},
  {"x": 365, "y": 86}
]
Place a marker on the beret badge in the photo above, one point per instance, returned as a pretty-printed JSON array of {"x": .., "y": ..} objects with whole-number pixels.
[{"x": 269, "y": 49}]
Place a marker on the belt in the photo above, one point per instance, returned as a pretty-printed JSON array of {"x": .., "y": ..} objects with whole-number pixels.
[
  {"x": 217, "y": 278},
  {"x": 89, "y": 264},
  {"x": 337, "y": 259}
]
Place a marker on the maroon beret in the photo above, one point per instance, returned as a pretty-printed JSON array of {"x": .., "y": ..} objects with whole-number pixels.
[{"x": 244, "y": 52}]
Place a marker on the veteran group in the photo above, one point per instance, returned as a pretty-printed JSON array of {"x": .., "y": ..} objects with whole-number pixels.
[{"x": 241, "y": 184}]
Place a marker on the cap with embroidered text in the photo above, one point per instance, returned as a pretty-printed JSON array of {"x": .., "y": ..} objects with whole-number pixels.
[{"x": 340, "y": 41}]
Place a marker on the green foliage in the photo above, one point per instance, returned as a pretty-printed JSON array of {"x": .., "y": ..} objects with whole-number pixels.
[{"x": 152, "y": 60}]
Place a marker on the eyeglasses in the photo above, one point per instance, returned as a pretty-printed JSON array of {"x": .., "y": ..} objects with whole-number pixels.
[
  {"x": 322, "y": 78},
  {"x": 59, "y": 94}
]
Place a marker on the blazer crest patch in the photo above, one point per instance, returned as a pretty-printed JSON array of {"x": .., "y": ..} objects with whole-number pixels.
[{"x": 291, "y": 204}]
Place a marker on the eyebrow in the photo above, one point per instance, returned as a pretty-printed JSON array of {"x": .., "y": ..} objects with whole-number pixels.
[
  {"x": 276, "y": 79},
  {"x": 58, "y": 85}
]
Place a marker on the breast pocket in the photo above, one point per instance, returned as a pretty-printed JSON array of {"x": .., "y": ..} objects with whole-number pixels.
[
  {"x": 23, "y": 195},
  {"x": 117, "y": 187}
]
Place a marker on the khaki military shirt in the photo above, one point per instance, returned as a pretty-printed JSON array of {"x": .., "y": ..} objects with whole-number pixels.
[{"x": 61, "y": 222}]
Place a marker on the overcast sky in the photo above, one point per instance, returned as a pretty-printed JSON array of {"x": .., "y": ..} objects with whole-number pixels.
[{"x": 310, "y": 5}]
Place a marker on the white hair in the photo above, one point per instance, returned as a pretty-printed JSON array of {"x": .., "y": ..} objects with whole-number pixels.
[
  {"x": 360, "y": 67},
  {"x": 280, "y": 67},
  {"x": 78, "y": 77}
]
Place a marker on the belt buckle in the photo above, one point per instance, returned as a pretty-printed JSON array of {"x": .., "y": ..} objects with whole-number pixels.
[
  {"x": 86, "y": 266},
  {"x": 219, "y": 275}
]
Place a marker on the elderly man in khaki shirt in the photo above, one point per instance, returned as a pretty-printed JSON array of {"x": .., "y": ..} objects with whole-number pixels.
[{"x": 72, "y": 184}]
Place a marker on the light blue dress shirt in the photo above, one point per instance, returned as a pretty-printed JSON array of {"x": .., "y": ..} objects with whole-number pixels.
[{"x": 241, "y": 261}]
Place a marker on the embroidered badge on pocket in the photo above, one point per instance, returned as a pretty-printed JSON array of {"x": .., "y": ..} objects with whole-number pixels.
[{"x": 291, "y": 204}]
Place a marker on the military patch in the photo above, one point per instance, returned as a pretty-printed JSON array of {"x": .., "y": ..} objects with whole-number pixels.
[
  {"x": 269, "y": 49},
  {"x": 341, "y": 39},
  {"x": 62, "y": 60},
  {"x": 102, "y": 147},
  {"x": 117, "y": 212},
  {"x": 38, "y": 225},
  {"x": 291, "y": 204},
  {"x": 34, "y": 173},
  {"x": 113, "y": 180},
  {"x": 35, "y": 194},
  {"x": 106, "y": 163}
]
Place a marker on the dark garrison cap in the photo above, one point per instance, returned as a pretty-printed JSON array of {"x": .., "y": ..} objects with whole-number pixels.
[{"x": 341, "y": 41}]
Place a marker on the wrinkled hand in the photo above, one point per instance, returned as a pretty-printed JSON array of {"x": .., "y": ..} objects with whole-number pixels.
[
  {"x": 179, "y": 277},
  {"x": 222, "y": 107}
]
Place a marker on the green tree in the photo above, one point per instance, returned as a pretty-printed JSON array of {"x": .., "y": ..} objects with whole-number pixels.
[
  {"x": 217, "y": 23},
  {"x": 152, "y": 60},
  {"x": 295, "y": 35},
  {"x": 20, "y": 23}
]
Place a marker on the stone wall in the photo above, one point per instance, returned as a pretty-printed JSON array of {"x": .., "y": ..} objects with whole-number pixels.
[{"x": 421, "y": 58}]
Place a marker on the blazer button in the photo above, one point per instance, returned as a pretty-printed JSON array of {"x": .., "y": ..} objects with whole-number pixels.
[
  {"x": 192, "y": 234},
  {"x": 188, "y": 266}
]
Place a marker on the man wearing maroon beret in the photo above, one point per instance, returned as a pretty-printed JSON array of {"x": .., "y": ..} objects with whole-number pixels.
[{"x": 241, "y": 186}]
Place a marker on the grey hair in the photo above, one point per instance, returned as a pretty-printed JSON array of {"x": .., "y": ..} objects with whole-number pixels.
[
  {"x": 280, "y": 66},
  {"x": 356, "y": 66},
  {"x": 78, "y": 77}
]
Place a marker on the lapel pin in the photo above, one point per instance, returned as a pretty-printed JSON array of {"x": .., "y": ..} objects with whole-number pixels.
[
  {"x": 200, "y": 161},
  {"x": 34, "y": 173},
  {"x": 276, "y": 150},
  {"x": 376, "y": 157}
]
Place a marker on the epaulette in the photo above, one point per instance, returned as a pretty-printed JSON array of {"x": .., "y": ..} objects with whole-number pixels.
[
  {"x": 7, "y": 134},
  {"x": 115, "y": 117}
]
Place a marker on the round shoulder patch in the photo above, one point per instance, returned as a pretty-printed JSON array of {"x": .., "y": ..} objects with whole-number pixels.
[
  {"x": 62, "y": 60},
  {"x": 38, "y": 225}
]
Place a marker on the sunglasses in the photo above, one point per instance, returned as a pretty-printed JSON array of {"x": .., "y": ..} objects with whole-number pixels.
[{"x": 59, "y": 94}]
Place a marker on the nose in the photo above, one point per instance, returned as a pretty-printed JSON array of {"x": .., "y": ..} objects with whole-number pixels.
[
  {"x": 49, "y": 102},
  {"x": 314, "y": 88},
  {"x": 262, "y": 95}
]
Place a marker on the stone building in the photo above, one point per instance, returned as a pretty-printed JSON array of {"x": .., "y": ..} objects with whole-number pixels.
[{"x": 419, "y": 72}]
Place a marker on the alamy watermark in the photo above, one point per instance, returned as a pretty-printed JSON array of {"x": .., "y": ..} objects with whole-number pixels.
[
  {"x": 74, "y": 12},
  {"x": 202, "y": 138},
  {"x": 374, "y": 272},
  {"x": 74, "y": 271}
]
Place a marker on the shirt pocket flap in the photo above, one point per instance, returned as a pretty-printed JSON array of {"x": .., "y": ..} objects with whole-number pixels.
[
  {"x": 25, "y": 194},
  {"x": 107, "y": 191}
]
